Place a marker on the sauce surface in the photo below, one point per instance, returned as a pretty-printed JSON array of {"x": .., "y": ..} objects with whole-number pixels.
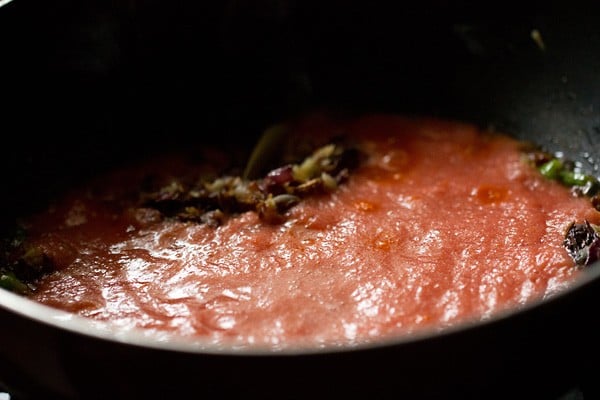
[{"x": 442, "y": 223}]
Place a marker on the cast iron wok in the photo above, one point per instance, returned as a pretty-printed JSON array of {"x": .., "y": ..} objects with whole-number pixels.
[{"x": 89, "y": 85}]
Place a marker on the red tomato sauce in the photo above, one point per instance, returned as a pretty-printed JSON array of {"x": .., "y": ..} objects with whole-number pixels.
[{"x": 442, "y": 223}]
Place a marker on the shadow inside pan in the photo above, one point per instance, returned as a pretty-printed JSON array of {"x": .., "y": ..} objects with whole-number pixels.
[{"x": 109, "y": 82}]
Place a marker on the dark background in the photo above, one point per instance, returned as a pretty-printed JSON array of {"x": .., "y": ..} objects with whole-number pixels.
[
  {"x": 113, "y": 79},
  {"x": 139, "y": 67}
]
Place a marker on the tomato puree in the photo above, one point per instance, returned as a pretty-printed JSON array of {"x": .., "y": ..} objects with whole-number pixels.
[{"x": 441, "y": 223}]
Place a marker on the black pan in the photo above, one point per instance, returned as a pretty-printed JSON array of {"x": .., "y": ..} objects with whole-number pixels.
[{"x": 85, "y": 83}]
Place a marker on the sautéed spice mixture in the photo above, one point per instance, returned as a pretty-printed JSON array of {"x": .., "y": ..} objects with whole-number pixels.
[{"x": 384, "y": 226}]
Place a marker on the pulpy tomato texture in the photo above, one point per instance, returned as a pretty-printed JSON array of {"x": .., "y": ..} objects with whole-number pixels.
[{"x": 440, "y": 223}]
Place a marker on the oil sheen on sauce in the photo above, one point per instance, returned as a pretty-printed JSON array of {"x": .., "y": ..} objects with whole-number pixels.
[{"x": 443, "y": 223}]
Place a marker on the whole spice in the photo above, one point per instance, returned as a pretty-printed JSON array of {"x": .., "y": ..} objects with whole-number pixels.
[{"x": 583, "y": 243}]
